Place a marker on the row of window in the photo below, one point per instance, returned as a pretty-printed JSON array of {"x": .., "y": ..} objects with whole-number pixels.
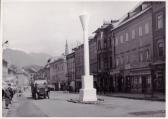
[
  {"x": 143, "y": 56},
  {"x": 120, "y": 39},
  {"x": 58, "y": 67},
  {"x": 107, "y": 62}
]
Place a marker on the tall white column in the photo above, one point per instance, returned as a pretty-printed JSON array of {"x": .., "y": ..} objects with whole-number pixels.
[{"x": 87, "y": 93}]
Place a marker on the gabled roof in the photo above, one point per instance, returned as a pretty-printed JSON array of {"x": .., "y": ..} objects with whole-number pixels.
[{"x": 125, "y": 20}]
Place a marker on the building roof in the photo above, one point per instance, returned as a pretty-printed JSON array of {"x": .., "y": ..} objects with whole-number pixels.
[{"x": 125, "y": 19}]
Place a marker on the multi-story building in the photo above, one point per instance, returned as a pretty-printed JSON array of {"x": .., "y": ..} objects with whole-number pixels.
[
  {"x": 134, "y": 50},
  {"x": 79, "y": 66},
  {"x": 47, "y": 72},
  {"x": 22, "y": 79},
  {"x": 31, "y": 72},
  {"x": 40, "y": 74},
  {"x": 58, "y": 73},
  {"x": 93, "y": 59},
  {"x": 159, "y": 26},
  {"x": 71, "y": 70},
  {"x": 104, "y": 58},
  {"x": 79, "y": 62}
]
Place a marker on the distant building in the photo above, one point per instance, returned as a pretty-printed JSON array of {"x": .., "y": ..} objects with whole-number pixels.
[
  {"x": 104, "y": 58},
  {"x": 58, "y": 72},
  {"x": 31, "y": 73},
  {"x": 40, "y": 74},
  {"x": 22, "y": 79},
  {"x": 79, "y": 63},
  {"x": 71, "y": 70},
  {"x": 47, "y": 72},
  {"x": 79, "y": 66}
]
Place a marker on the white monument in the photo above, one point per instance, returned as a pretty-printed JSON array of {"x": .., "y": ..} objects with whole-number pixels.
[{"x": 87, "y": 93}]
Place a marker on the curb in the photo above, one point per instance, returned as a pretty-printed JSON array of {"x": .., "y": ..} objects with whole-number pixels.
[{"x": 136, "y": 98}]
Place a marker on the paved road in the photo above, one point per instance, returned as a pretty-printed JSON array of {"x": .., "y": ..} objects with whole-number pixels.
[
  {"x": 58, "y": 106},
  {"x": 25, "y": 108}
]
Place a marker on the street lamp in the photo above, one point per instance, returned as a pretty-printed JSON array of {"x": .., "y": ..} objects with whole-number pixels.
[
  {"x": 87, "y": 93},
  {"x": 4, "y": 43}
]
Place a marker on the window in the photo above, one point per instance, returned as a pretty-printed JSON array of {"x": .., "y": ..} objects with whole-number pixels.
[
  {"x": 99, "y": 61},
  {"x": 127, "y": 59},
  {"x": 159, "y": 21},
  {"x": 101, "y": 35},
  {"x": 105, "y": 43},
  {"x": 133, "y": 34},
  {"x": 117, "y": 62},
  {"x": 110, "y": 62},
  {"x": 126, "y": 37},
  {"x": 146, "y": 28},
  {"x": 121, "y": 39},
  {"x": 99, "y": 45},
  {"x": 161, "y": 49},
  {"x": 110, "y": 42},
  {"x": 141, "y": 57},
  {"x": 147, "y": 54},
  {"x": 122, "y": 60},
  {"x": 116, "y": 43},
  {"x": 140, "y": 31},
  {"x": 105, "y": 62}
]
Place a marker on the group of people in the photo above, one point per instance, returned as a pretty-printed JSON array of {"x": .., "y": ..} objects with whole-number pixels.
[{"x": 7, "y": 95}]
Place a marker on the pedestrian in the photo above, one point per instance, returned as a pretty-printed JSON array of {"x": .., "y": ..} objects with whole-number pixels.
[
  {"x": 11, "y": 92},
  {"x": 3, "y": 93},
  {"x": 7, "y": 97},
  {"x": 47, "y": 90},
  {"x": 35, "y": 91}
]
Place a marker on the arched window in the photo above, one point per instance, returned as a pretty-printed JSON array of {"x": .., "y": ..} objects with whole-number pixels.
[{"x": 161, "y": 49}]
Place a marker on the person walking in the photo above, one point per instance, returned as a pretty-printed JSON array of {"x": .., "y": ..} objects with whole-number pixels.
[
  {"x": 7, "y": 97},
  {"x": 47, "y": 90},
  {"x": 11, "y": 92},
  {"x": 35, "y": 91}
]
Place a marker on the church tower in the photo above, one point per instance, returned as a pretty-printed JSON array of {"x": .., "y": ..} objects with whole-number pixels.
[{"x": 66, "y": 49}]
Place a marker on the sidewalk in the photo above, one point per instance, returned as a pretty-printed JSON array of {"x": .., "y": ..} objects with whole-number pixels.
[
  {"x": 12, "y": 106},
  {"x": 156, "y": 96},
  {"x": 4, "y": 110}
]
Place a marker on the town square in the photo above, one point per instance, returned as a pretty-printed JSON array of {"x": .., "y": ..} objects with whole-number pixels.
[{"x": 83, "y": 59}]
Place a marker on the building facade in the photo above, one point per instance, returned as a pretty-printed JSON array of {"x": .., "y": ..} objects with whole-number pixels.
[
  {"x": 79, "y": 66},
  {"x": 79, "y": 62},
  {"x": 134, "y": 50},
  {"x": 104, "y": 58},
  {"x": 58, "y": 73},
  {"x": 71, "y": 71},
  {"x": 159, "y": 27}
]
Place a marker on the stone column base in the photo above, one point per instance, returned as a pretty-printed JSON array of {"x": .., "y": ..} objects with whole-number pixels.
[{"x": 87, "y": 95}]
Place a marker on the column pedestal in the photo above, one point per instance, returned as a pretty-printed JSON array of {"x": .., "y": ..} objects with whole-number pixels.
[{"x": 87, "y": 93}]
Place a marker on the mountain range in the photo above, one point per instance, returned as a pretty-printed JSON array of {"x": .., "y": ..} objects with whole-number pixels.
[{"x": 22, "y": 59}]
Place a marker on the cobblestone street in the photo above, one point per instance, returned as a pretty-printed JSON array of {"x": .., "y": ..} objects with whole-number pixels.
[{"x": 58, "y": 106}]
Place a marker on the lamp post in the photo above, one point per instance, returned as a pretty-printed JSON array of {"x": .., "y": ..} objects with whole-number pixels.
[
  {"x": 4, "y": 43},
  {"x": 87, "y": 93}
]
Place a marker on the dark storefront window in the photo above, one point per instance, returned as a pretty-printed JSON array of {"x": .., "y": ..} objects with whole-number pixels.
[
  {"x": 110, "y": 62},
  {"x": 160, "y": 49}
]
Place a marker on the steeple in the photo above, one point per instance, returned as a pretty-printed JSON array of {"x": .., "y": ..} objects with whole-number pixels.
[{"x": 66, "y": 49}]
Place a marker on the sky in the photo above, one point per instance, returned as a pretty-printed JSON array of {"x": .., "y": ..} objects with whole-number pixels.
[{"x": 44, "y": 27}]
